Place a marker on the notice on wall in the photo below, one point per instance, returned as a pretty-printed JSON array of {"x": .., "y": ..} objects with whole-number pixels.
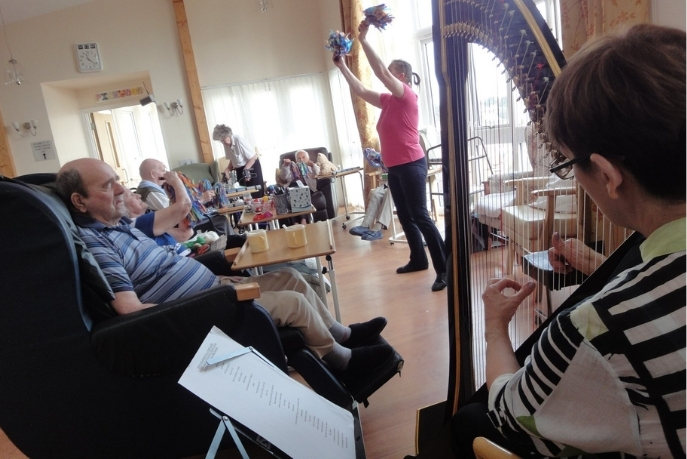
[
  {"x": 43, "y": 150},
  {"x": 249, "y": 389}
]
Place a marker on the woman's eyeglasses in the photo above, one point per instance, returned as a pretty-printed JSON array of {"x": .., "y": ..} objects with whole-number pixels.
[{"x": 564, "y": 170}]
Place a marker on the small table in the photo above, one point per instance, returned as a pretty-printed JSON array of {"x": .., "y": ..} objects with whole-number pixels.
[
  {"x": 244, "y": 190},
  {"x": 345, "y": 173},
  {"x": 320, "y": 243},
  {"x": 247, "y": 219}
]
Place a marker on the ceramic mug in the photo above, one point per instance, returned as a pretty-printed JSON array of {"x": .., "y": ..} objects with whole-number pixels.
[
  {"x": 257, "y": 240},
  {"x": 295, "y": 236}
]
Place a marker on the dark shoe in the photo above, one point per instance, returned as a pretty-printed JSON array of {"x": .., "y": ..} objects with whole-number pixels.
[
  {"x": 439, "y": 283},
  {"x": 371, "y": 236},
  {"x": 358, "y": 230},
  {"x": 364, "y": 333},
  {"x": 410, "y": 268},
  {"x": 365, "y": 360}
]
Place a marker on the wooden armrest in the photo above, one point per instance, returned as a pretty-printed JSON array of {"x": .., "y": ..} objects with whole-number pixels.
[
  {"x": 567, "y": 191},
  {"x": 487, "y": 449},
  {"x": 247, "y": 291},
  {"x": 230, "y": 254},
  {"x": 530, "y": 182}
]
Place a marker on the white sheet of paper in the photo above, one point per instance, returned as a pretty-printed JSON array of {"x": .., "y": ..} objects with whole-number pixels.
[{"x": 286, "y": 413}]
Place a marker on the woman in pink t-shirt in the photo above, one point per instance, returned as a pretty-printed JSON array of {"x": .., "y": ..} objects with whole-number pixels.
[{"x": 402, "y": 155}]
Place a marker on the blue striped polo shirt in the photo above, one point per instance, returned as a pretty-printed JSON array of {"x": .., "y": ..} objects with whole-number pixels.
[{"x": 131, "y": 261}]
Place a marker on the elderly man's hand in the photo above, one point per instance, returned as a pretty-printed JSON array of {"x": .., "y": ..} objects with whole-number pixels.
[
  {"x": 499, "y": 307},
  {"x": 172, "y": 178},
  {"x": 570, "y": 254},
  {"x": 207, "y": 196}
]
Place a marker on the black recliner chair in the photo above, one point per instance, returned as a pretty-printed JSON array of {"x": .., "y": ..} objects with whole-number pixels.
[{"x": 76, "y": 385}]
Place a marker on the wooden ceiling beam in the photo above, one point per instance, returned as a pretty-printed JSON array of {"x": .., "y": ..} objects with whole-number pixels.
[
  {"x": 6, "y": 162},
  {"x": 193, "y": 84}
]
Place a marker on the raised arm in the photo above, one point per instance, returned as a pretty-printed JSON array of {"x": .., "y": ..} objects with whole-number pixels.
[
  {"x": 368, "y": 95},
  {"x": 393, "y": 84},
  {"x": 169, "y": 217}
]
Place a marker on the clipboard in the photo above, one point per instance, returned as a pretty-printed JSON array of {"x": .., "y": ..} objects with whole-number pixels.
[{"x": 265, "y": 405}]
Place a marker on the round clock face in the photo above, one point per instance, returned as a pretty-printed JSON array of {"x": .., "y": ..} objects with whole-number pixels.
[{"x": 88, "y": 57}]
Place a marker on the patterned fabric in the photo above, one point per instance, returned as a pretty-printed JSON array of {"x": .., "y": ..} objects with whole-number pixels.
[
  {"x": 582, "y": 20},
  {"x": 609, "y": 374},
  {"x": 129, "y": 258}
]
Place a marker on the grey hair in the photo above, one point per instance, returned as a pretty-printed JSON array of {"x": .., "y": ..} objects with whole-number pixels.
[
  {"x": 221, "y": 132},
  {"x": 68, "y": 182}
]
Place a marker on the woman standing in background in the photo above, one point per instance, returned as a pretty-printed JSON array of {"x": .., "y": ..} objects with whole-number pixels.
[
  {"x": 242, "y": 158},
  {"x": 403, "y": 156}
]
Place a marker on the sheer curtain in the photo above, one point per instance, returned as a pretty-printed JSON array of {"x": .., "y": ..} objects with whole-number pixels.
[{"x": 275, "y": 116}]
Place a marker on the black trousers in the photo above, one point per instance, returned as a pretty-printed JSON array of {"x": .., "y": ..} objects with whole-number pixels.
[{"x": 255, "y": 179}]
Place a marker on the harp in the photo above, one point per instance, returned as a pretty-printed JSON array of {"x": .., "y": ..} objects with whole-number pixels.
[{"x": 502, "y": 135}]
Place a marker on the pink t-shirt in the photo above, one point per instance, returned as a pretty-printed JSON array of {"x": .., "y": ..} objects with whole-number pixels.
[{"x": 397, "y": 128}]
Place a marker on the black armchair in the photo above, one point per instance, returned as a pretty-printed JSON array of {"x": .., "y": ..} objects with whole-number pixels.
[
  {"x": 73, "y": 385},
  {"x": 325, "y": 185},
  {"x": 80, "y": 381}
]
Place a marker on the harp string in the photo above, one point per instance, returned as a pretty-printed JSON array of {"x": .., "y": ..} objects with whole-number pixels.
[{"x": 498, "y": 157}]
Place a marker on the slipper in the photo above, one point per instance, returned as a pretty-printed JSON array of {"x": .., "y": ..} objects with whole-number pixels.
[
  {"x": 372, "y": 236},
  {"x": 358, "y": 230}
]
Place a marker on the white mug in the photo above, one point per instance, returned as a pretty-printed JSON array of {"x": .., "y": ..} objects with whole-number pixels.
[
  {"x": 295, "y": 236},
  {"x": 257, "y": 240}
]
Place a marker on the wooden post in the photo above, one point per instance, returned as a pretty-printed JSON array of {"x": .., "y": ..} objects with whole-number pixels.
[
  {"x": 193, "y": 84},
  {"x": 6, "y": 162}
]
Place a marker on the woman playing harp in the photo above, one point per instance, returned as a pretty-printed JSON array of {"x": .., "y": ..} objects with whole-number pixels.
[{"x": 607, "y": 375}]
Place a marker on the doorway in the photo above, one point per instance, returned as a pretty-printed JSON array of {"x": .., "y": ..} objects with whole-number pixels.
[{"x": 125, "y": 136}]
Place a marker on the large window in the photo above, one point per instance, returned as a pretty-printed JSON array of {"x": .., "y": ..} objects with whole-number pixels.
[{"x": 275, "y": 116}]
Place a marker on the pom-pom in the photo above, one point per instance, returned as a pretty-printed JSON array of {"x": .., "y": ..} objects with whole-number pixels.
[
  {"x": 378, "y": 16},
  {"x": 198, "y": 210},
  {"x": 374, "y": 158},
  {"x": 339, "y": 43},
  {"x": 220, "y": 201}
]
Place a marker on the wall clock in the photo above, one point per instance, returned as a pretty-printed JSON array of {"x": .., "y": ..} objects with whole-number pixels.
[{"x": 88, "y": 57}]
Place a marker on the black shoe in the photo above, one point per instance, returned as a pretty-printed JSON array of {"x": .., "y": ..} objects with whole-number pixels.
[
  {"x": 365, "y": 360},
  {"x": 439, "y": 283},
  {"x": 364, "y": 333},
  {"x": 410, "y": 268}
]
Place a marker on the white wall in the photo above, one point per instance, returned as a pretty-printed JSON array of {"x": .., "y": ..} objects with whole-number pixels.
[
  {"x": 233, "y": 42},
  {"x": 670, "y": 13}
]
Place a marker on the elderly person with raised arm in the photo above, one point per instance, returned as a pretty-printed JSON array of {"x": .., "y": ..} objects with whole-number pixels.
[{"x": 143, "y": 274}]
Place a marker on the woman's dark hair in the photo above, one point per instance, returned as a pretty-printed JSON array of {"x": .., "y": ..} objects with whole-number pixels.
[
  {"x": 623, "y": 97},
  {"x": 407, "y": 69}
]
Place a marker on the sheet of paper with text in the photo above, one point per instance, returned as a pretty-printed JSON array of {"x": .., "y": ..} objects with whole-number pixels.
[{"x": 283, "y": 411}]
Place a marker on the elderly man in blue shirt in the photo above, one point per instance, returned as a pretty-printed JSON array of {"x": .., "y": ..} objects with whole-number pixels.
[{"x": 143, "y": 274}]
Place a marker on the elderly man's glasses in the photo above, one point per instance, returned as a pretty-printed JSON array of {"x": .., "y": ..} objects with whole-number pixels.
[{"x": 564, "y": 170}]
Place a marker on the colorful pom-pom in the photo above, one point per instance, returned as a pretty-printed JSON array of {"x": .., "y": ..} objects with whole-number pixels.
[
  {"x": 221, "y": 201},
  {"x": 198, "y": 210},
  {"x": 378, "y": 16},
  {"x": 339, "y": 43},
  {"x": 374, "y": 158}
]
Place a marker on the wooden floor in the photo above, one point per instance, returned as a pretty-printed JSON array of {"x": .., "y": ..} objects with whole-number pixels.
[{"x": 370, "y": 287}]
